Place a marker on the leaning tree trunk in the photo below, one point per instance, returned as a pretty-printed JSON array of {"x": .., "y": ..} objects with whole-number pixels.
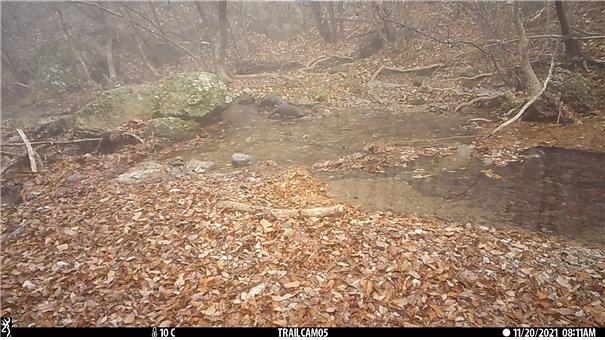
[
  {"x": 573, "y": 51},
  {"x": 72, "y": 45},
  {"x": 531, "y": 79},
  {"x": 221, "y": 44}
]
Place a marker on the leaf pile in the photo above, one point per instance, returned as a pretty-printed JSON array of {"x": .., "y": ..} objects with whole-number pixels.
[{"x": 96, "y": 253}]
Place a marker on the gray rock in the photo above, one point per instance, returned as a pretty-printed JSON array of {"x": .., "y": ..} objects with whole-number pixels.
[
  {"x": 381, "y": 85},
  {"x": 75, "y": 178},
  {"x": 172, "y": 128},
  {"x": 195, "y": 96},
  {"x": 141, "y": 172},
  {"x": 176, "y": 161},
  {"x": 305, "y": 101},
  {"x": 417, "y": 100},
  {"x": 240, "y": 159},
  {"x": 197, "y": 166}
]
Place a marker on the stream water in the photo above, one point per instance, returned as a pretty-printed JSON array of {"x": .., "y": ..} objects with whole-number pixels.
[{"x": 554, "y": 191}]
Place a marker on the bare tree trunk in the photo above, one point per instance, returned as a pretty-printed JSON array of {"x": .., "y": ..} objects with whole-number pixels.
[
  {"x": 137, "y": 39},
  {"x": 332, "y": 21},
  {"x": 221, "y": 44},
  {"x": 72, "y": 45},
  {"x": 340, "y": 8},
  {"x": 528, "y": 72},
  {"x": 573, "y": 50},
  {"x": 110, "y": 34},
  {"x": 320, "y": 22}
]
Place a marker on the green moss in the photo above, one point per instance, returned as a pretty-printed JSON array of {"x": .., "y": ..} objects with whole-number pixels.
[
  {"x": 117, "y": 106},
  {"x": 319, "y": 94}
]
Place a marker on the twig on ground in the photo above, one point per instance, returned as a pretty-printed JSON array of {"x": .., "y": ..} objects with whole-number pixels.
[{"x": 283, "y": 213}]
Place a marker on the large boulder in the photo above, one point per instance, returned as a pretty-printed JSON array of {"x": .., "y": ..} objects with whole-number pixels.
[
  {"x": 115, "y": 107},
  {"x": 195, "y": 96},
  {"x": 172, "y": 128}
]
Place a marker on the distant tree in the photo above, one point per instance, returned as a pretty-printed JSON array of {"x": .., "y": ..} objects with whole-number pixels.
[{"x": 221, "y": 44}]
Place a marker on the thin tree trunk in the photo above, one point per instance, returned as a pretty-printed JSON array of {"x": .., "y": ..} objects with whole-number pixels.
[
  {"x": 111, "y": 66},
  {"x": 528, "y": 72},
  {"x": 573, "y": 50},
  {"x": 221, "y": 44},
  {"x": 110, "y": 34},
  {"x": 158, "y": 23},
  {"x": 322, "y": 25},
  {"x": 333, "y": 35},
  {"x": 72, "y": 46},
  {"x": 340, "y": 8},
  {"x": 137, "y": 39}
]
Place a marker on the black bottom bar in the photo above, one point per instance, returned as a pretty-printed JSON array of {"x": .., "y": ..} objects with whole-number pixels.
[{"x": 310, "y": 332}]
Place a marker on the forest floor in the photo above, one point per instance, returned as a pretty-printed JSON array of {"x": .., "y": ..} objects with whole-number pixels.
[{"x": 168, "y": 251}]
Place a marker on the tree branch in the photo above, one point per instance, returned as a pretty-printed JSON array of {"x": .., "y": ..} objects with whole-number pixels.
[{"x": 529, "y": 103}]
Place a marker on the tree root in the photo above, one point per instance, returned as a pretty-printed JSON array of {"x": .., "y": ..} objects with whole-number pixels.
[
  {"x": 326, "y": 57},
  {"x": 479, "y": 100},
  {"x": 420, "y": 69},
  {"x": 283, "y": 213},
  {"x": 479, "y": 76}
]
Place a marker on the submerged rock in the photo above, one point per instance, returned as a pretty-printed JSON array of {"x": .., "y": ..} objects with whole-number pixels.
[{"x": 240, "y": 159}]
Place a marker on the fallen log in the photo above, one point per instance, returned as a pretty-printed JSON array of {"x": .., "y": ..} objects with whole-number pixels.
[
  {"x": 30, "y": 151},
  {"x": 283, "y": 213},
  {"x": 479, "y": 76},
  {"x": 419, "y": 69},
  {"x": 55, "y": 143}
]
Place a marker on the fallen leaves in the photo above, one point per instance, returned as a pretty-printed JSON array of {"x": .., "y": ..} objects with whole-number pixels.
[{"x": 137, "y": 257}]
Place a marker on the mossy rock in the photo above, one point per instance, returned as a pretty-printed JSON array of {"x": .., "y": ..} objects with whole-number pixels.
[
  {"x": 194, "y": 96},
  {"x": 576, "y": 90},
  {"x": 117, "y": 106},
  {"x": 172, "y": 128}
]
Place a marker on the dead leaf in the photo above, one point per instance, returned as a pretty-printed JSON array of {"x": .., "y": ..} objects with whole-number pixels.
[
  {"x": 256, "y": 290},
  {"x": 563, "y": 282},
  {"x": 129, "y": 318},
  {"x": 282, "y": 298},
  {"x": 63, "y": 247},
  {"x": 292, "y": 284}
]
